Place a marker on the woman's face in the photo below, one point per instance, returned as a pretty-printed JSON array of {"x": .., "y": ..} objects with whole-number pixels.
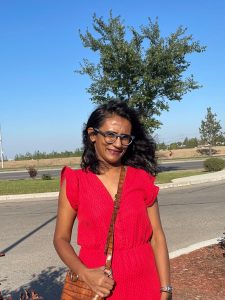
[{"x": 111, "y": 154}]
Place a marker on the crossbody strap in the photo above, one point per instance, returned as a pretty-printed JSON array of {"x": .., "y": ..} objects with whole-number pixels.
[{"x": 110, "y": 237}]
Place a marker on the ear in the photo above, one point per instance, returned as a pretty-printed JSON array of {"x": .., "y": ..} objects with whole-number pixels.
[{"x": 91, "y": 134}]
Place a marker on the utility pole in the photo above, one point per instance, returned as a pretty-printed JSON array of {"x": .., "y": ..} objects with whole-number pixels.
[{"x": 1, "y": 150}]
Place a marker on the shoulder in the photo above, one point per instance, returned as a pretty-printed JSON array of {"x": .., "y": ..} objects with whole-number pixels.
[
  {"x": 72, "y": 183},
  {"x": 73, "y": 174},
  {"x": 70, "y": 172},
  {"x": 142, "y": 174},
  {"x": 67, "y": 170},
  {"x": 146, "y": 182}
]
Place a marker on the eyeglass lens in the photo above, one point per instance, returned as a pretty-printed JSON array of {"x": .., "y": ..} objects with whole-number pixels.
[{"x": 110, "y": 137}]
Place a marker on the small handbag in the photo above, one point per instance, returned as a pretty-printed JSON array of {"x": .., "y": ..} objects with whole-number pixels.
[{"x": 76, "y": 289}]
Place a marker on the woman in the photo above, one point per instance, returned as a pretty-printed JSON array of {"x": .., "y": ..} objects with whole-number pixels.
[{"x": 114, "y": 137}]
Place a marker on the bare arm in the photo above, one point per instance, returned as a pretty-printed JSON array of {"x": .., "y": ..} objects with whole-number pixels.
[
  {"x": 95, "y": 278},
  {"x": 63, "y": 231},
  {"x": 159, "y": 246}
]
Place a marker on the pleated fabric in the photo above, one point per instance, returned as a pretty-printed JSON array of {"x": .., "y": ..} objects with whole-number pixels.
[{"x": 134, "y": 268}]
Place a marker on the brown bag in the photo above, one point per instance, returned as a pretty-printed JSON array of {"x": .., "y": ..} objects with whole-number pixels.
[{"x": 76, "y": 289}]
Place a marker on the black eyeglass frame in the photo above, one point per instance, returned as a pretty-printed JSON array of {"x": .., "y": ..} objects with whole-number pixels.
[{"x": 116, "y": 135}]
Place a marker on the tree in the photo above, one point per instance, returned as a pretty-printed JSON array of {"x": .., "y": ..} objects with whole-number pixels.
[
  {"x": 220, "y": 140},
  {"x": 161, "y": 146},
  {"x": 210, "y": 130},
  {"x": 175, "y": 145},
  {"x": 190, "y": 143},
  {"x": 145, "y": 70}
]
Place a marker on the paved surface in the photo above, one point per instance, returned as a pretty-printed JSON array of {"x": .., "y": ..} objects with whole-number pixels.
[
  {"x": 192, "y": 214},
  {"x": 181, "y": 204}
]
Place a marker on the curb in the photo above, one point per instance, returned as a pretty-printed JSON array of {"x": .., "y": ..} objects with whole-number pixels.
[
  {"x": 193, "y": 247},
  {"x": 192, "y": 180},
  {"x": 188, "y": 183},
  {"x": 28, "y": 197}
]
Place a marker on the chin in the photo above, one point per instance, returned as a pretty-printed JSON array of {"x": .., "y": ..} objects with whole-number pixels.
[{"x": 115, "y": 162}]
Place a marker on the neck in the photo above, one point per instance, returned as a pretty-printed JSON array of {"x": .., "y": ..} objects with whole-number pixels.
[{"x": 105, "y": 168}]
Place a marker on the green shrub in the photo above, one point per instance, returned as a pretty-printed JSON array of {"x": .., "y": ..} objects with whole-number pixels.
[
  {"x": 32, "y": 171},
  {"x": 46, "y": 177},
  {"x": 214, "y": 164}
]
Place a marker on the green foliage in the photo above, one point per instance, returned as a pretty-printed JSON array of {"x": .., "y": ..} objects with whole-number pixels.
[
  {"x": 210, "y": 129},
  {"x": 214, "y": 164},
  {"x": 165, "y": 177},
  {"x": 32, "y": 172},
  {"x": 190, "y": 143},
  {"x": 222, "y": 243},
  {"x": 46, "y": 177},
  {"x": 44, "y": 155},
  {"x": 220, "y": 141},
  {"x": 161, "y": 146},
  {"x": 173, "y": 146},
  {"x": 145, "y": 70},
  {"x": 27, "y": 186}
]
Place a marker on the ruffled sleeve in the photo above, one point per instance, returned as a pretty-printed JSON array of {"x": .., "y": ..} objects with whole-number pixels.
[
  {"x": 151, "y": 190},
  {"x": 72, "y": 186}
]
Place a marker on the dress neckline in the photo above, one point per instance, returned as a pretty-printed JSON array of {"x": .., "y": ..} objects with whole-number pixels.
[{"x": 104, "y": 187}]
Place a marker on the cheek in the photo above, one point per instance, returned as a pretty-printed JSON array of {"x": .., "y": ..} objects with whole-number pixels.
[{"x": 98, "y": 146}]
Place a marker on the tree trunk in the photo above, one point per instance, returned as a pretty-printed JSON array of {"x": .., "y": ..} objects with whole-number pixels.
[{"x": 210, "y": 149}]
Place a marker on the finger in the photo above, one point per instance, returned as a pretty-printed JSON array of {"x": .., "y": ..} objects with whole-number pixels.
[
  {"x": 106, "y": 282},
  {"x": 108, "y": 272},
  {"x": 109, "y": 280},
  {"x": 103, "y": 292},
  {"x": 107, "y": 285}
]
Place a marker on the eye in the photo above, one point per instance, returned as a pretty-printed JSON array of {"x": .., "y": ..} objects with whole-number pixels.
[
  {"x": 110, "y": 134},
  {"x": 126, "y": 137}
]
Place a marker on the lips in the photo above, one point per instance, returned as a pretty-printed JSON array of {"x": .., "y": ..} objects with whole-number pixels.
[{"x": 115, "y": 152}]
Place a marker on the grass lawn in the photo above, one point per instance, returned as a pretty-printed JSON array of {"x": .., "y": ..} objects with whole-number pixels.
[
  {"x": 165, "y": 177},
  {"x": 29, "y": 186}
]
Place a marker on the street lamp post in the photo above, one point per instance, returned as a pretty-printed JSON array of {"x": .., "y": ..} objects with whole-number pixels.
[{"x": 1, "y": 151}]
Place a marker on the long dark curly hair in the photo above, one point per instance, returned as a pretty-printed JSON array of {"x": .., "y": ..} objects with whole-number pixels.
[{"x": 139, "y": 154}]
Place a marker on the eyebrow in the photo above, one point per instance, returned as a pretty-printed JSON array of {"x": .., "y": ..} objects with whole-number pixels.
[{"x": 117, "y": 132}]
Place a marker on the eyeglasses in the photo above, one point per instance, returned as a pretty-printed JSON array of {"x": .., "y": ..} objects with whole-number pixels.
[{"x": 110, "y": 137}]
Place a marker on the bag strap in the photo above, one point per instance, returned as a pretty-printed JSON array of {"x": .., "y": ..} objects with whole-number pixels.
[{"x": 110, "y": 237}]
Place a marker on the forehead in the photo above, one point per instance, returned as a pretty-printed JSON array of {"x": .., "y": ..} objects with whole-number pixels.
[{"x": 116, "y": 123}]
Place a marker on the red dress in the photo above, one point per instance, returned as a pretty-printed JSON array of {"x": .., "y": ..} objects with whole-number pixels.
[{"x": 134, "y": 269}]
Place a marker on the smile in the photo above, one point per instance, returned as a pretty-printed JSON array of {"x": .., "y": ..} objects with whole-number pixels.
[{"x": 115, "y": 152}]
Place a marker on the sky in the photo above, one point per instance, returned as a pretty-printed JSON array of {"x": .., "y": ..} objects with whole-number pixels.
[{"x": 44, "y": 103}]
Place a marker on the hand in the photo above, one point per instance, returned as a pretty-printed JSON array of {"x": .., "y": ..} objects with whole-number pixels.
[
  {"x": 97, "y": 279},
  {"x": 166, "y": 296}
]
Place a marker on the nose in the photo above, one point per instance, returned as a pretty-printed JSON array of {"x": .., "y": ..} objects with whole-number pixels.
[{"x": 118, "y": 143}]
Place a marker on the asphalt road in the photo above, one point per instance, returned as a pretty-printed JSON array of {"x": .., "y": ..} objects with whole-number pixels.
[
  {"x": 189, "y": 215},
  {"x": 170, "y": 166},
  {"x": 4, "y": 175}
]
